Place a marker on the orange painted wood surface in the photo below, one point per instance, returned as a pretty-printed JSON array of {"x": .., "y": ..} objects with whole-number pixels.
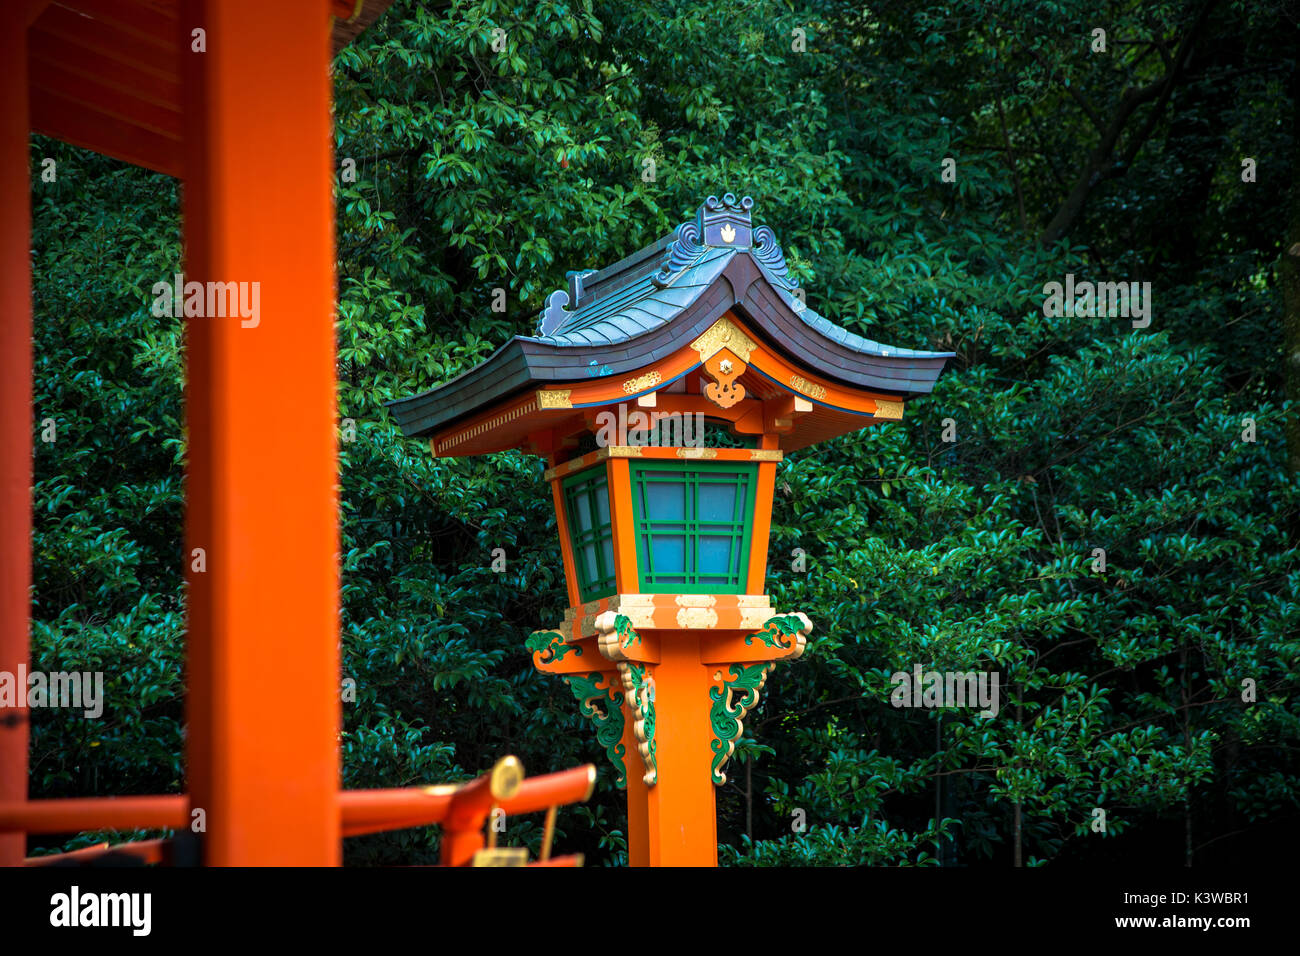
[
  {"x": 566, "y": 543},
  {"x": 263, "y": 706},
  {"x": 760, "y": 528},
  {"x": 624, "y": 525},
  {"x": 681, "y": 823}
]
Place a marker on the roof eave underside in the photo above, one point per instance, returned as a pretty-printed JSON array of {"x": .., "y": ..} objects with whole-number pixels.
[{"x": 106, "y": 76}]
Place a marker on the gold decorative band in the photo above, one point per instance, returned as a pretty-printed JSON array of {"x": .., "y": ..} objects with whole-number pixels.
[
  {"x": 554, "y": 398},
  {"x": 811, "y": 389},
  {"x": 697, "y": 617},
  {"x": 723, "y": 334},
  {"x": 642, "y": 382},
  {"x": 890, "y": 410}
]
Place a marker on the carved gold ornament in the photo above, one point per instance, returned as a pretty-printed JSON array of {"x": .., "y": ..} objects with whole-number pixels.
[
  {"x": 555, "y": 398},
  {"x": 724, "y": 334},
  {"x": 639, "y": 692},
  {"x": 787, "y": 632},
  {"x": 801, "y": 384},
  {"x": 642, "y": 382},
  {"x": 890, "y": 410},
  {"x": 617, "y": 635},
  {"x": 696, "y": 618}
]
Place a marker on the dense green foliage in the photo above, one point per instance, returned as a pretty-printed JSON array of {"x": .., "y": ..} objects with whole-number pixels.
[{"x": 481, "y": 169}]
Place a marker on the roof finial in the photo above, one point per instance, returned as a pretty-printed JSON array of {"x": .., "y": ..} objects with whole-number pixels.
[
  {"x": 553, "y": 314},
  {"x": 725, "y": 222}
]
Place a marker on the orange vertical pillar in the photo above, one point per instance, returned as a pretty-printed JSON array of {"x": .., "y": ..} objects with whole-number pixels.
[
  {"x": 680, "y": 819},
  {"x": 638, "y": 797},
  {"x": 16, "y": 420},
  {"x": 263, "y": 703}
]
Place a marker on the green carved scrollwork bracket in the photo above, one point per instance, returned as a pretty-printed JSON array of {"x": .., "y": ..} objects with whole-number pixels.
[
  {"x": 608, "y": 718},
  {"x": 639, "y": 687},
  {"x": 550, "y": 646},
  {"x": 737, "y": 696},
  {"x": 785, "y": 632},
  {"x": 616, "y": 637}
]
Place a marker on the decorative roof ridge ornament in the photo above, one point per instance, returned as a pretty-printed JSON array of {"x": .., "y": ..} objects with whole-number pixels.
[
  {"x": 768, "y": 251},
  {"x": 553, "y": 314},
  {"x": 723, "y": 224},
  {"x": 726, "y": 223},
  {"x": 682, "y": 253}
]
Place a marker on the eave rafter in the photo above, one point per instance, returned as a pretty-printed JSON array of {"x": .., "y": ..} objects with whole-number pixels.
[{"x": 105, "y": 77}]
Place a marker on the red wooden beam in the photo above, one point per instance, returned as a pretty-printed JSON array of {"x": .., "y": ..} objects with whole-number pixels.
[
  {"x": 34, "y": 9},
  {"x": 374, "y": 811},
  {"x": 150, "y": 25},
  {"x": 263, "y": 703},
  {"x": 44, "y": 48},
  {"x": 16, "y": 419},
  {"x": 90, "y": 94},
  {"x": 159, "y": 56},
  {"x": 65, "y": 120}
]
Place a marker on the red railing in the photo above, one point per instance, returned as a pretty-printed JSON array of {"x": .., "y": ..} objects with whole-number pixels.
[{"x": 462, "y": 810}]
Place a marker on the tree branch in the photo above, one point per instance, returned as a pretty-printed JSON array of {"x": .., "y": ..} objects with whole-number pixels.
[{"x": 1102, "y": 162}]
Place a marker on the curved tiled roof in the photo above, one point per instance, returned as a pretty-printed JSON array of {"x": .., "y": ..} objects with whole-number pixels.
[{"x": 648, "y": 305}]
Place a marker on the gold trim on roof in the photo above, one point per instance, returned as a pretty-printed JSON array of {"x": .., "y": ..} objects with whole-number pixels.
[
  {"x": 890, "y": 410},
  {"x": 554, "y": 398},
  {"x": 801, "y": 384},
  {"x": 724, "y": 334},
  {"x": 642, "y": 382}
]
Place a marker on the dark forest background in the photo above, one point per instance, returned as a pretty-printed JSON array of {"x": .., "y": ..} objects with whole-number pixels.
[{"x": 481, "y": 168}]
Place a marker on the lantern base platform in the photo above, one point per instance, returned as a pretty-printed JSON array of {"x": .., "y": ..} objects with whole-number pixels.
[{"x": 649, "y": 612}]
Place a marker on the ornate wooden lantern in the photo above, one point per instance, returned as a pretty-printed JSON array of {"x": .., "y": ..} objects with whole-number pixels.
[{"x": 663, "y": 391}]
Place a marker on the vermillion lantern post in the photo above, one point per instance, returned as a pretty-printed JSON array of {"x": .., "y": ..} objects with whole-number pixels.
[{"x": 663, "y": 391}]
